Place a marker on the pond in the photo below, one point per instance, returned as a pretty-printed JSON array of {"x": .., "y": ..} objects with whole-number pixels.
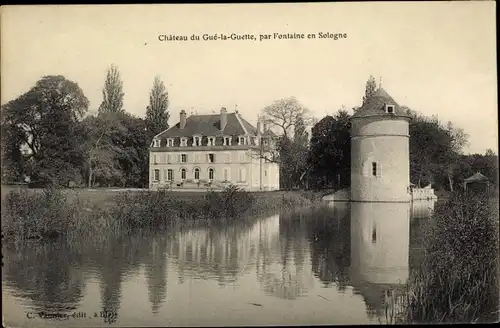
[{"x": 329, "y": 264}]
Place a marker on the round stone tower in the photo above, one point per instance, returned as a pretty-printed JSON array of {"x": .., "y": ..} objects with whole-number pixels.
[{"x": 380, "y": 156}]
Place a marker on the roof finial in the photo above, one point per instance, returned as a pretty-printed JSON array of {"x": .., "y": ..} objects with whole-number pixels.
[
  {"x": 380, "y": 83},
  {"x": 236, "y": 108}
]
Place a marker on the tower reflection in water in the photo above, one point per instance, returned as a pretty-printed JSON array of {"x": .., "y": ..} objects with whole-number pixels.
[
  {"x": 380, "y": 250},
  {"x": 380, "y": 240}
]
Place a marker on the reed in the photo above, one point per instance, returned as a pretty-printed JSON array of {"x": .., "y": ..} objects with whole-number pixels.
[
  {"x": 458, "y": 277},
  {"x": 51, "y": 213}
]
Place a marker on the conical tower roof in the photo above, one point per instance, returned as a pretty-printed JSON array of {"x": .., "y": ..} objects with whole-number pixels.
[{"x": 375, "y": 106}]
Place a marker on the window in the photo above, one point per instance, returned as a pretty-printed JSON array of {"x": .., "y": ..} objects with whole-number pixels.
[
  {"x": 374, "y": 235},
  {"x": 197, "y": 174},
  {"x": 389, "y": 109},
  {"x": 170, "y": 175},
  {"x": 156, "y": 143},
  {"x": 170, "y": 142},
  {"x": 265, "y": 173},
  {"x": 241, "y": 141},
  {"x": 226, "y": 174},
  {"x": 211, "y": 141},
  {"x": 374, "y": 169},
  {"x": 242, "y": 175},
  {"x": 211, "y": 174},
  {"x": 183, "y": 158},
  {"x": 211, "y": 158},
  {"x": 168, "y": 159},
  {"x": 227, "y": 141},
  {"x": 183, "y": 174},
  {"x": 183, "y": 142},
  {"x": 154, "y": 159},
  {"x": 196, "y": 141},
  {"x": 264, "y": 142},
  {"x": 156, "y": 175}
]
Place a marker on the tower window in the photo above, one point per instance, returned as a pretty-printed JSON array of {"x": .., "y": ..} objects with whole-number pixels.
[{"x": 374, "y": 169}]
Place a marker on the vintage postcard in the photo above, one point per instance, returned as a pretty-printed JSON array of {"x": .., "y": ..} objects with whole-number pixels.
[{"x": 249, "y": 164}]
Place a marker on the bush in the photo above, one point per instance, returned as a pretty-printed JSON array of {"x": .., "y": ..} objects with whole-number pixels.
[{"x": 458, "y": 278}]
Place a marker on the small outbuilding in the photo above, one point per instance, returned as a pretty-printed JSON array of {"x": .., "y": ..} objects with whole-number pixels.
[{"x": 477, "y": 182}]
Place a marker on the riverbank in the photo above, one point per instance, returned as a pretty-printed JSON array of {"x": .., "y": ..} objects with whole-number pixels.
[
  {"x": 49, "y": 213},
  {"x": 458, "y": 277}
]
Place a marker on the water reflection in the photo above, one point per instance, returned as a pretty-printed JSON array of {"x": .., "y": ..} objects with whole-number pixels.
[
  {"x": 380, "y": 249},
  {"x": 329, "y": 235},
  {"x": 156, "y": 273},
  {"x": 326, "y": 251},
  {"x": 50, "y": 276},
  {"x": 281, "y": 264}
]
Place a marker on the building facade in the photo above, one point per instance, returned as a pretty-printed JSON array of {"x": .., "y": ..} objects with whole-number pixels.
[
  {"x": 380, "y": 155},
  {"x": 213, "y": 151}
]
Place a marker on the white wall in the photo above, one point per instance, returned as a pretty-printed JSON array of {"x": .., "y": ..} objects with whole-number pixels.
[{"x": 385, "y": 142}]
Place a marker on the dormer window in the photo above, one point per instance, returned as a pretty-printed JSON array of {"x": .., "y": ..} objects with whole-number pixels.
[
  {"x": 156, "y": 143},
  {"x": 389, "y": 109},
  {"x": 241, "y": 141},
  {"x": 184, "y": 142},
  {"x": 196, "y": 140},
  {"x": 226, "y": 141},
  {"x": 211, "y": 141},
  {"x": 170, "y": 142}
]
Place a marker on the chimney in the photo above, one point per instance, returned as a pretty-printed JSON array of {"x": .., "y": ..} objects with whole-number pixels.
[
  {"x": 259, "y": 126},
  {"x": 182, "y": 122},
  {"x": 223, "y": 118}
]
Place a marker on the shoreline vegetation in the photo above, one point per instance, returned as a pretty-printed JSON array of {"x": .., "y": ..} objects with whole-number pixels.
[
  {"x": 458, "y": 277},
  {"x": 51, "y": 213}
]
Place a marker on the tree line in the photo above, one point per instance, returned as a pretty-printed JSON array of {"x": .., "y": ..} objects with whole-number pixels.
[
  {"x": 49, "y": 135},
  {"x": 323, "y": 160}
]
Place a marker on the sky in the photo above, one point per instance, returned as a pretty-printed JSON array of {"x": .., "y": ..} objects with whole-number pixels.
[{"x": 438, "y": 58}]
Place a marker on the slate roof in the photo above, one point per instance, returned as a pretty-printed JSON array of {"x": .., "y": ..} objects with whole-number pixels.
[
  {"x": 476, "y": 177},
  {"x": 209, "y": 125},
  {"x": 375, "y": 106}
]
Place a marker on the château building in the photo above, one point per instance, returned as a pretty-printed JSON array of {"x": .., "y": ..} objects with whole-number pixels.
[{"x": 213, "y": 151}]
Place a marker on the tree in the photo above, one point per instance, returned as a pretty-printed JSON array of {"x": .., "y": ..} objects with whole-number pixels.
[
  {"x": 101, "y": 163},
  {"x": 300, "y": 135},
  {"x": 44, "y": 121},
  {"x": 157, "y": 114},
  {"x": 116, "y": 150},
  {"x": 371, "y": 86},
  {"x": 112, "y": 92},
  {"x": 285, "y": 113},
  {"x": 330, "y": 152}
]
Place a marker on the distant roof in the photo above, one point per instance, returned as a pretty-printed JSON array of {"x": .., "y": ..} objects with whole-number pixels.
[
  {"x": 209, "y": 125},
  {"x": 375, "y": 106},
  {"x": 476, "y": 177}
]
